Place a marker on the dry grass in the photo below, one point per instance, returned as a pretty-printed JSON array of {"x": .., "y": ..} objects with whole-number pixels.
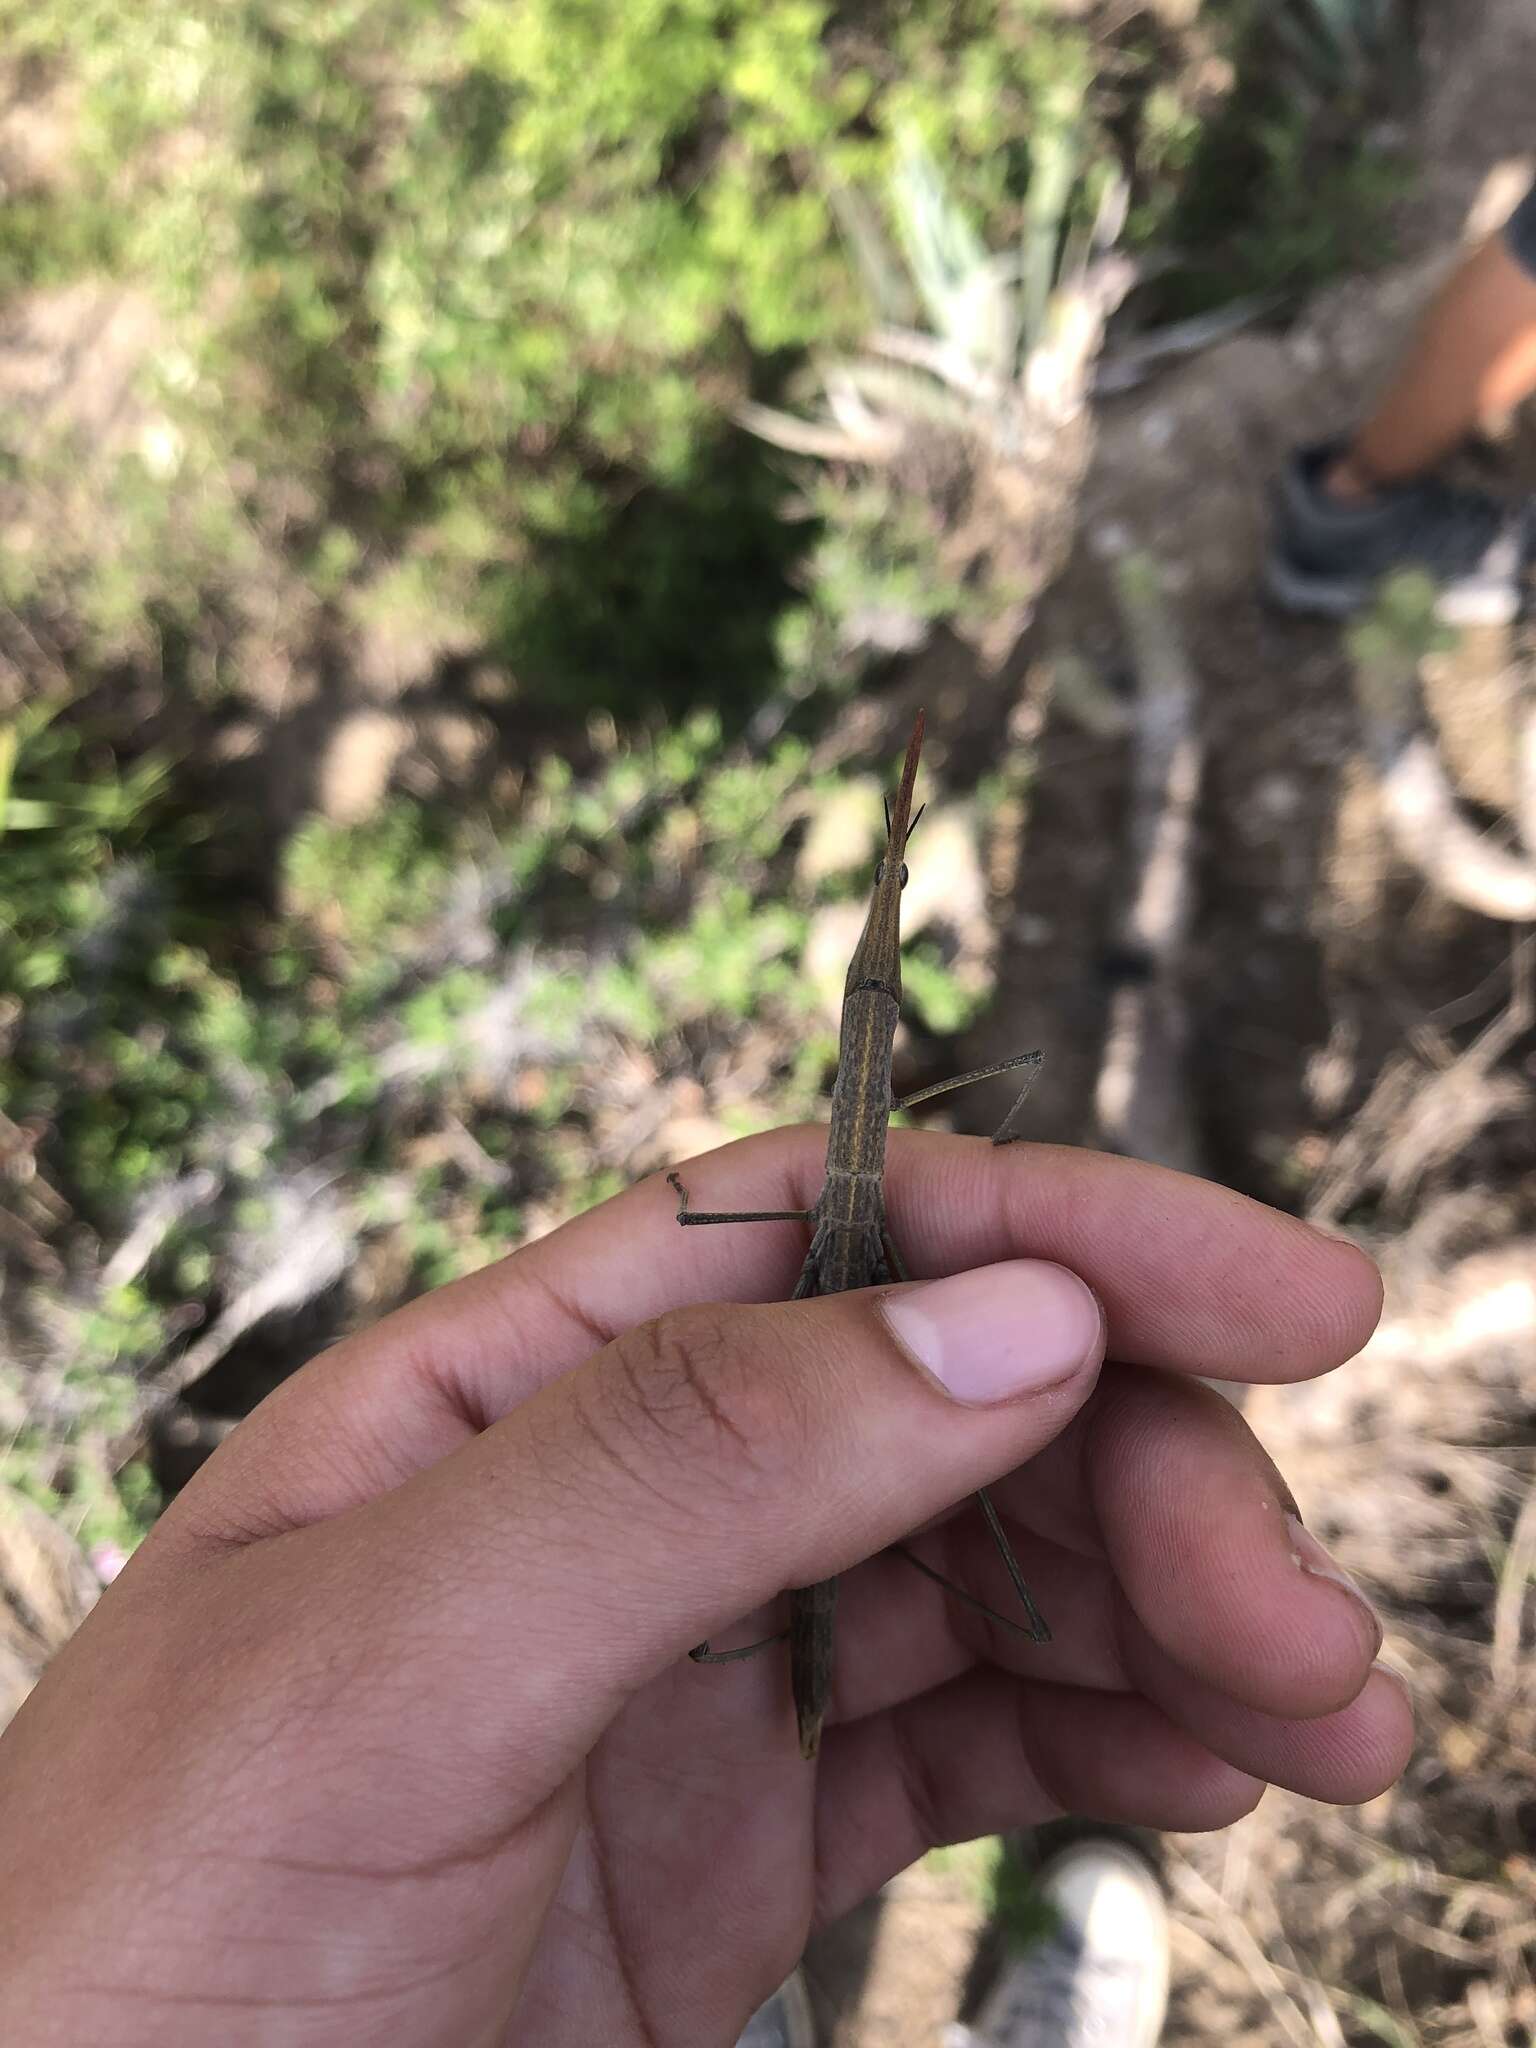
[{"x": 1413, "y": 1920}]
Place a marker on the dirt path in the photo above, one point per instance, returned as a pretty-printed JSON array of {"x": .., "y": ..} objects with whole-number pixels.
[{"x": 1317, "y": 958}]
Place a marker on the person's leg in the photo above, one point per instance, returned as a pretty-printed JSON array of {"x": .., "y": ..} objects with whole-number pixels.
[
  {"x": 1351, "y": 511},
  {"x": 1473, "y": 356}
]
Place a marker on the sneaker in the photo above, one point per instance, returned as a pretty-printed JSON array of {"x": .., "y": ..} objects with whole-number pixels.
[
  {"x": 785, "y": 2021},
  {"x": 1100, "y": 1980},
  {"x": 1327, "y": 558}
]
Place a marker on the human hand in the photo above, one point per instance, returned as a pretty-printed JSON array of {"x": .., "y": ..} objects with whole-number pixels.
[{"x": 387, "y": 1733}]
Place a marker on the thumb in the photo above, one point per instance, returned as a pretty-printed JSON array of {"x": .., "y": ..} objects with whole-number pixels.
[{"x": 705, "y": 1460}]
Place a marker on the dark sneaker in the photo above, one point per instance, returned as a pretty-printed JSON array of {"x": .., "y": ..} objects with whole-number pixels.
[
  {"x": 1327, "y": 558},
  {"x": 1100, "y": 1980},
  {"x": 785, "y": 2021}
]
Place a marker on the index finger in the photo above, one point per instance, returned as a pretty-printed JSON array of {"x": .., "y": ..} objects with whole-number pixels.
[{"x": 1192, "y": 1277}]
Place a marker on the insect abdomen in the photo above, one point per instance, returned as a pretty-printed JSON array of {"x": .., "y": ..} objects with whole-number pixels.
[{"x": 810, "y": 1658}]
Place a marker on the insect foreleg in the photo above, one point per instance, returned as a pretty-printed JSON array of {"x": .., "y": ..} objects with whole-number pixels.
[
  {"x": 1038, "y": 1628},
  {"x": 1038, "y": 1631},
  {"x": 1035, "y": 1632},
  {"x": 687, "y": 1215},
  {"x": 1005, "y": 1132},
  {"x": 703, "y": 1654}
]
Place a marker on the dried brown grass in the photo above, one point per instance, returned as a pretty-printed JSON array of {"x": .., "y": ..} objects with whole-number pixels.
[{"x": 1411, "y": 1920}]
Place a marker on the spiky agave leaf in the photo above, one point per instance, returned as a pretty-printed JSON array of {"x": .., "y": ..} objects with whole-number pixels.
[
  {"x": 909, "y": 394},
  {"x": 871, "y": 408},
  {"x": 1333, "y": 44},
  {"x": 1056, "y": 374},
  {"x": 1317, "y": 66},
  {"x": 848, "y": 406},
  {"x": 988, "y": 370},
  {"x": 1088, "y": 244},
  {"x": 887, "y": 282},
  {"x": 7, "y": 763},
  {"x": 942, "y": 360},
  {"x": 968, "y": 294},
  {"x": 818, "y": 438},
  {"x": 1056, "y": 157},
  {"x": 1355, "y": 28}
]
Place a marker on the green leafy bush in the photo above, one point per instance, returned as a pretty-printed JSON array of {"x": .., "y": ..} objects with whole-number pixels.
[
  {"x": 454, "y": 300},
  {"x": 1290, "y": 180}
]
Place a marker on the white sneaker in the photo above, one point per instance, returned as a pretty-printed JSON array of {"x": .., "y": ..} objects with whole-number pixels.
[
  {"x": 1100, "y": 1980},
  {"x": 785, "y": 2021}
]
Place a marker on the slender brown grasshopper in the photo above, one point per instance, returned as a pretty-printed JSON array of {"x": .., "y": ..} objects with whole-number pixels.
[{"x": 850, "y": 1245}]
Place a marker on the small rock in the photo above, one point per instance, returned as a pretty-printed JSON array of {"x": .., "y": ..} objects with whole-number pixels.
[
  {"x": 358, "y": 763},
  {"x": 833, "y": 935},
  {"x": 1278, "y": 797},
  {"x": 945, "y": 882},
  {"x": 845, "y": 832}
]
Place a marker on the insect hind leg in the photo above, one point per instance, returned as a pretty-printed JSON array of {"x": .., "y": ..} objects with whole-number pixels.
[
  {"x": 1035, "y": 1628},
  {"x": 1037, "y": 1632}
]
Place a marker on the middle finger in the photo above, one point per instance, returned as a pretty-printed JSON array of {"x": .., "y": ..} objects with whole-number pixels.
[{"x": 1158, "y": 1489}]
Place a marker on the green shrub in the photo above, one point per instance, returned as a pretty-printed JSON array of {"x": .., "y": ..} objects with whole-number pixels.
[
  {"x": 456, "y": 297},
  {"x": 1290, "y": 181}
]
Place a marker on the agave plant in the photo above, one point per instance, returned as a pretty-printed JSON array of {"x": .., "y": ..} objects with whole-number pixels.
[
  {"x": 1007, "y": 341},
  {"x": 969, "y": 398},
  {"x": 1337, "y": 46}
]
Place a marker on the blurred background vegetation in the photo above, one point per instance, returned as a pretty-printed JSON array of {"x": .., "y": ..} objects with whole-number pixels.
[
  {"x": 441, "y": 746},
  {"x": 412, "y": 673}
]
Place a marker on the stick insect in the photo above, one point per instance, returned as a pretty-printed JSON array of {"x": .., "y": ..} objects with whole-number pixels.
[{"x": 850, "y": 1245}]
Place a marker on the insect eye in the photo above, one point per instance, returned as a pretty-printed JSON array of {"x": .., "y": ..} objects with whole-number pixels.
[
  {"x": 879, "y": 873},
  {"x": 903, "y": 874}
]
